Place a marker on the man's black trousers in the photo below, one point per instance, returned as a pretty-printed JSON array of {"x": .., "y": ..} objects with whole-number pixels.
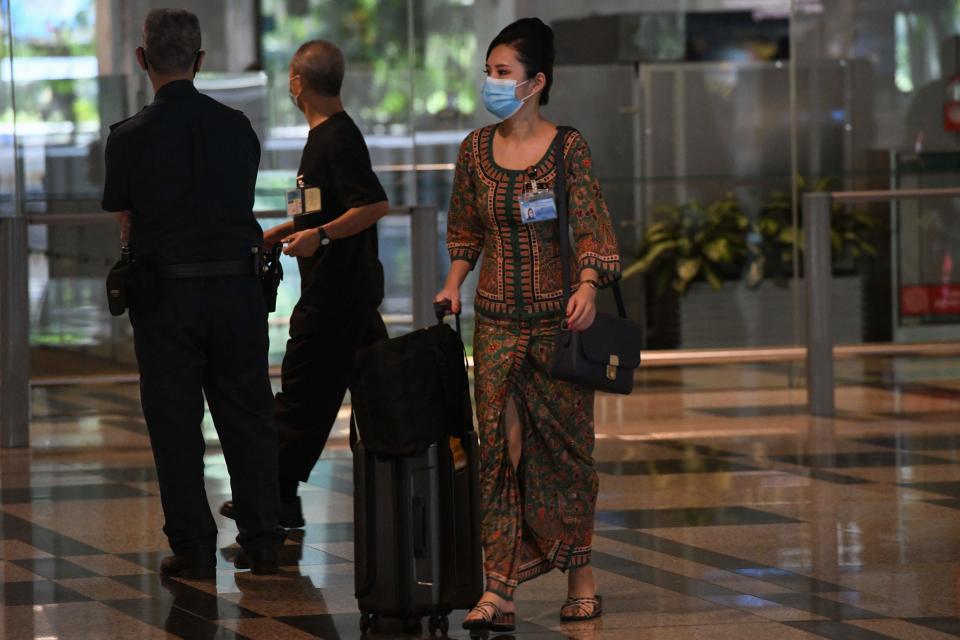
[
  {"x": 208, "y": 337},
  {"x": 315, "y": 375}
]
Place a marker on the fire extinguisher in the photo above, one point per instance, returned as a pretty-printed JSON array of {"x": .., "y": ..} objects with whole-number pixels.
[{"x": 951, "y": 105}]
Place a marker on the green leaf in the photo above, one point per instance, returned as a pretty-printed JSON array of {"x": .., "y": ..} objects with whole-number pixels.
[
  {"x": 823, "y": 184},
  {"x": 712, "y": 277},
  {"x": 688, "y": 269},
  {"x": 652, "y": 254},
  {"x": 718, "y": 250}
]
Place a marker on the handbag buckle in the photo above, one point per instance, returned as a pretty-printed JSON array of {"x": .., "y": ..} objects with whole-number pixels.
[{"x": 614, "y": 362}]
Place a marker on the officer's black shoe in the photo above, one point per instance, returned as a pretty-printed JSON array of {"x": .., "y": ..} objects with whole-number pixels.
[
  {"x": 291, "y": 513},
  {"x": 261, "y": 562},
  {"x": 193, "y": 565}
]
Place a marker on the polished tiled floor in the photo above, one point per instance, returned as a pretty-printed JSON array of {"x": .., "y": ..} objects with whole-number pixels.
[{"x": 725, "y": 513}]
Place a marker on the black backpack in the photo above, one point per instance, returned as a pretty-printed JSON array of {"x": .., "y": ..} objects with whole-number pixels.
[{"x": 412, "y": 391}]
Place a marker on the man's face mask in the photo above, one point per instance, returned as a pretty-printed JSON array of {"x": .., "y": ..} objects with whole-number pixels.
[{"x": 294, "y": 98}]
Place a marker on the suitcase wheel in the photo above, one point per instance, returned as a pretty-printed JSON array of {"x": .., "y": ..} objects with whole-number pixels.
[
  {"x": 412, "y": 625},
  {"x": 439, "y": 623},
  {"x": 367, "y": 622}
]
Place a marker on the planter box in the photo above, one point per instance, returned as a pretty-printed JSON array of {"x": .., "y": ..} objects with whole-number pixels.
[{"x": 737, "y": 316}]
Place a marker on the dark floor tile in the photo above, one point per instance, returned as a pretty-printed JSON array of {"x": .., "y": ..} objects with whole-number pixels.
[
  {"x": 658, "y": 577},
  {"x": 861, "y": 459},
  {"x": 332, "y": 482},
  {"x": 905, "y": 442},
  {"x": 701, "y": 449},
  {"x": 690, "y": 517},
  {"x": 923, "y": 417},
  {"x": 345, "y": 626},
  {"x": 42, "y": 538},
  {"x": 773, "y": 575},
  {"x": 38, "y": 592},
  {"x": 314, "y": 533},
  {"x": 172, "y": 592},
  {"x": 835, "y": 478},
  {"x": 131, "y": 421},
  {"x": 128, "y": 474},
  {"x": 174, "y": 620},
  {"x": 146, "y": 559},
  {"x": 769, "y": 411},
  {"x": 103, "y": 491},
  {"x": 837, "y": 630},
  {"x": 944, "y": 625},
  {"x": 291, "y": 555},
  {"x": 822, "y": 606},
  {"x": 951, "y": 503},
  {"x": 948, "y": 488},
  {"x": 663, "y": 467},
  {"x": 340, "y": 626},
  {"x": 54, "y": 568}
]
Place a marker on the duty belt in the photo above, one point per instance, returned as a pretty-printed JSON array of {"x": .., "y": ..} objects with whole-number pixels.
[{"x": 220, "y": 269}]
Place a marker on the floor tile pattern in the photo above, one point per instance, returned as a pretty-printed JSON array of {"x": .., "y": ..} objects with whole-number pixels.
[{"x": 725, "y": 513}]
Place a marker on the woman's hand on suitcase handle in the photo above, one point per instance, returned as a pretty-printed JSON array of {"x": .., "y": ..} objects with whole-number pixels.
[{"x": 449, "y": 296}]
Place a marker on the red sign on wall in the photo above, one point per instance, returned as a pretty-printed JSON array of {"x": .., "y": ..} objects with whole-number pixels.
[{"x": 930, "y": 300}]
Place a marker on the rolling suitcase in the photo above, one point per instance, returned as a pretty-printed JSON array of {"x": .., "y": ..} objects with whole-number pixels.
[
  {"x": 417, "y": 533},
  {"x": 417, "y": 546}
]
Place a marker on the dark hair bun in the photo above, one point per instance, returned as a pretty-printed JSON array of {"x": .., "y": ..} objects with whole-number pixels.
[{"x": 532, "y": 39}]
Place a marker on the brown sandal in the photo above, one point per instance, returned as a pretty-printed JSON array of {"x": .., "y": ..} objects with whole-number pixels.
[
  {"x": 586, "y": 608},
  {"x": 491, "y": 617}
]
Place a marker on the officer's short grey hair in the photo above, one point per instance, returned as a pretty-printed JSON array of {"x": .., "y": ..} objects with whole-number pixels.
[
  {"x": 320, "y": 65},
  {"x": 171, "y": 38}
]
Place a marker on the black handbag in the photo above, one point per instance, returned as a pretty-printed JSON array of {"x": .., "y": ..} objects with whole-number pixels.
[{"x": 604, "y": 356}]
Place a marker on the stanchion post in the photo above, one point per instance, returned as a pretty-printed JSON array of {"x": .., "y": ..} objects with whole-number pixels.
[
  {"x": 424, "y": 237},
  {"x": 817, "y": 277}
]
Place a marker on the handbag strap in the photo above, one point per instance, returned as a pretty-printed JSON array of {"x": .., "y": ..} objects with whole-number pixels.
[{"x": 563, "y": 219}]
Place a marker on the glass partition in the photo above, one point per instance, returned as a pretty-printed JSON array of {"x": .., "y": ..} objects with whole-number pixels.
[
  {"x": 889, "y": 126},
  {"x": 705, "y": 132}
]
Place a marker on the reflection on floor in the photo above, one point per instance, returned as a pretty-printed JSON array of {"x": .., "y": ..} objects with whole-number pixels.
[{"x": 725, "y": 513}]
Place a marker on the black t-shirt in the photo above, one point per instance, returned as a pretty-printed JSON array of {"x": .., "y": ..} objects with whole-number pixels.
[
  {"x": 336, "y": 160},
  {"x": 186, "y": 167}
]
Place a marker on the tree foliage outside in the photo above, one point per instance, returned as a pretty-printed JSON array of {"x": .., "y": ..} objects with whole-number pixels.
[{"x": 375, "y": 38}]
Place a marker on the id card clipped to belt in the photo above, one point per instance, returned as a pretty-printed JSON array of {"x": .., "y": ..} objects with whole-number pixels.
[
  {"x": 536, "y": 204},
  {"x": 304, "y": 199}
]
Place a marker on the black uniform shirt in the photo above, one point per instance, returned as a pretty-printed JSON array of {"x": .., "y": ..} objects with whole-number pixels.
[
  {"x": 336, "y": 160},
  {"x": 186, "y": 167}
]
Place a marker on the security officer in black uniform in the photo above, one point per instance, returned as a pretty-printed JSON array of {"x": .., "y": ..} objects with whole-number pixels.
[
  {"x": 335, "y": 207},
  {"x": 181, "y": 175}
]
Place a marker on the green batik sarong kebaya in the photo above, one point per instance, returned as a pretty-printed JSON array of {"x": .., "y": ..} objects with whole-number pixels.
[{"x": 539, "y": 517}]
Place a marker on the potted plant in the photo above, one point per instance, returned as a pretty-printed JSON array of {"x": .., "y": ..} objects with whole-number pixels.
[{"x": 689, "y": 244}]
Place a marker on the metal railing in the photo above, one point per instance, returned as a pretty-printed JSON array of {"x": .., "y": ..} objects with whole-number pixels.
[{"x": 817, "y": 277}]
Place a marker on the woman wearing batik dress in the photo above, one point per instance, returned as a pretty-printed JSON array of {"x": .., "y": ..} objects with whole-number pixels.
[{"x": 538, "y": 483}]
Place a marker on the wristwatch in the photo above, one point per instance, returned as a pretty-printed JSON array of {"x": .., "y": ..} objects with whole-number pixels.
[{"x": 325, "y": 240}]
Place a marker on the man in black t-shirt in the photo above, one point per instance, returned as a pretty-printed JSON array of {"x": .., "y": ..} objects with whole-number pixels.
[
  {"x": 181, "y": 175},
  {"x": 333, "y": 234}
]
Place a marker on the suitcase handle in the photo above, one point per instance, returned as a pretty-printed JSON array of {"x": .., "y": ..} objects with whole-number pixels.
[
  {"x": 419, "y": 528},
  {"x": 444, "y": 308}
]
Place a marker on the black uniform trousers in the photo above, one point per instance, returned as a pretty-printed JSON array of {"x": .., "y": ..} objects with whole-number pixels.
[
  {"x": 209, "y": 337},
  {"x": 316, "y": 373}
]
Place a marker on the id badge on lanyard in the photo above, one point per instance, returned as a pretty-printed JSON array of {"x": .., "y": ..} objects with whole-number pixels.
[
  {"x": 303, "y": 199},
  {"x": 537, "y": 205}
]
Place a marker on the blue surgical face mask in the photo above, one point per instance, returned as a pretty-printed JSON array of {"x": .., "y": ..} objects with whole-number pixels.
[{"x": 500, "y": 96}]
